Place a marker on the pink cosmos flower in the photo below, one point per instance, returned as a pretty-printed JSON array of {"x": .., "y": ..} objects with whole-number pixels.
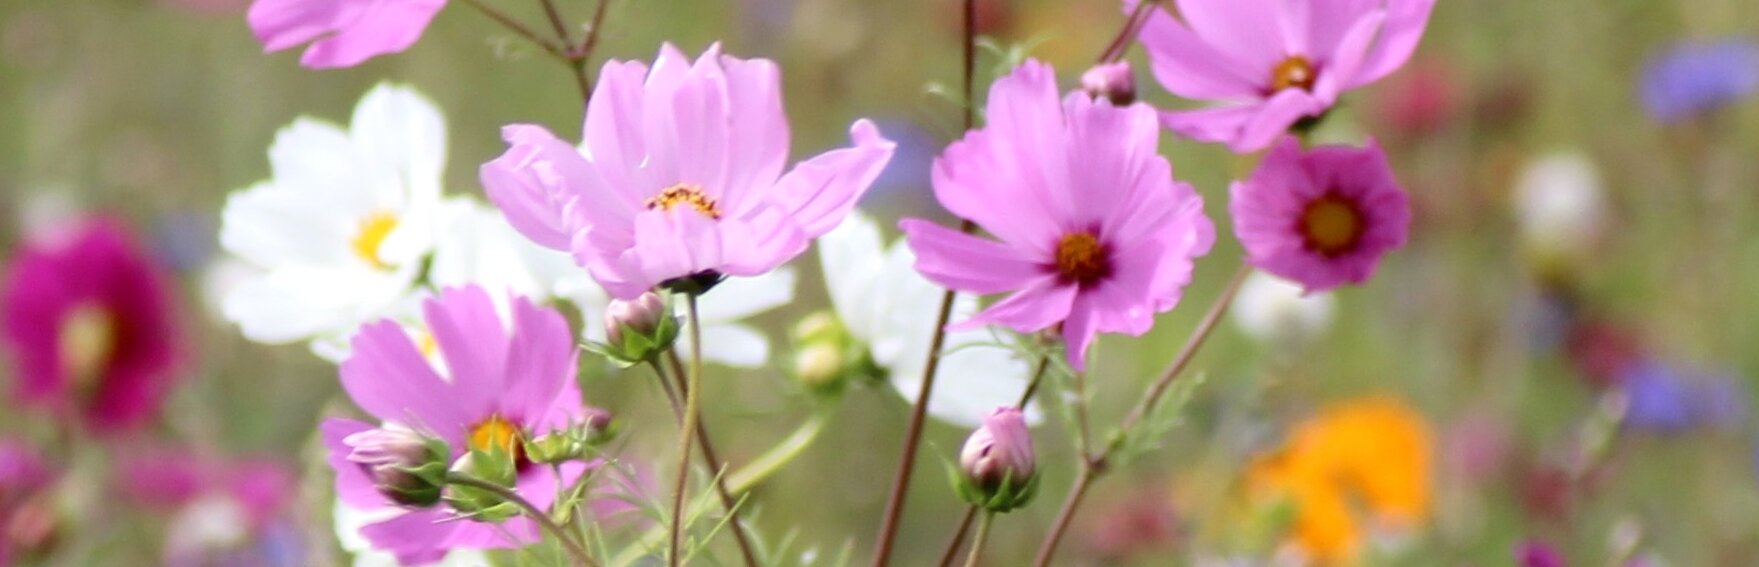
[
  {"x": 499, "y": 382},
  {"x": 680, "y": 175},
  {"x": 214, "y": 507},
  {"x": 90, "y": 323},
  {"x": 1095, "y": 234},
  {"x": 1322, "y": 217},
  {"x": 1272, "y": 63},
  {"x": 342, "y": 33}
]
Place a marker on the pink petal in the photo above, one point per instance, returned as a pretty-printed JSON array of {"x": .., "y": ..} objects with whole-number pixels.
[
  {"x": 387, "y": 376},
  {"x": 1210, "y": 125},
  {"x": 967, "y": 263},
  {"x": 1247, "y": 30},
  {"x": 759, "y": 129},
  {"x": 1044, "y": 303},
  {"x": 1027, "y": 137},
  {"x": 613, "y": 129},
  {"x": 975, "y": 179},
  {"x": 540, "y": 360},
  {"x": 1275, "y": 118},
  {"x": 820, "y": 192},
  {"x": 548, "y": 191},
  {"x": 701, "y": 122},
  {"x": 1119, "y": 151},
  {"x": 469, "y": 335},
  {"x": 1405, "y": 23},
  {"x": 281, "y": 24},
  {"x": 763, "y": 241},
  {"x": 1340, "y": 68},
  {"x": 353, "y": 486},
  {"x": 386, "y": 26},
  {"x": 1189, "y": 67}
]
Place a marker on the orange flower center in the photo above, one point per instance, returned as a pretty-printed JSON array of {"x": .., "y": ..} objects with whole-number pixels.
[
  {"x": 496, "y": 433},
  {"x": 86, "y": 343},
  {"x": 685, "y": 194},
  {"x": 1295, "y": 71},
  {"x": 1082, "y": 259},
  {"x": 1332, "y": 225},
  {"x": 373, "y": 230}
]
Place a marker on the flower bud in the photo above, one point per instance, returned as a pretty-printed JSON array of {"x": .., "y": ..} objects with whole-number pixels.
[
  {"x": 1111, "y": 81},
  {"x": 406, "y": 467},
  {"x": 819, "y": 366},
  {"x": 998, "y": 463},
  {"x": 638, "y": 330}
]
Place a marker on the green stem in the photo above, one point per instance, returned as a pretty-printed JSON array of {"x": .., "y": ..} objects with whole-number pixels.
[
  {"x": 981, "y": 538},
  {"x": 686, "y": 432},
  {"x": 714, "y": 465},
  {"x": 517, "y": 28},
  {"x": 543, "y": 519}
]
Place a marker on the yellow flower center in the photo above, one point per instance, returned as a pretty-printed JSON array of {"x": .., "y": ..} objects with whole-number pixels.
[
  {"x": 685, "y": 194},
  {"x": 496, "y": 433},
  {"x": 1081, "y": 258},
  {"x": 373, "y": 230},
  {"x": 88, "y": 339},
  {"x": 1332, "y": 225},
  {"x": 1295, "y": 71}
]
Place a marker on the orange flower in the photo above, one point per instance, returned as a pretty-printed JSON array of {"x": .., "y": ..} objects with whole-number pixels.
[{"x": 1363, "y": 457}]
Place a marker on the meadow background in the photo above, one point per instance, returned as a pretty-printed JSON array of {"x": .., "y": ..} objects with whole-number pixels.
[{"x": 154, "y": 110}]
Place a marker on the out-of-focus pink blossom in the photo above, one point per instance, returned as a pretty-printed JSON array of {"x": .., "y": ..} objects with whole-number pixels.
[
  {"x": 342, "y": 33},
  {"x": 1322, "y": 217}
]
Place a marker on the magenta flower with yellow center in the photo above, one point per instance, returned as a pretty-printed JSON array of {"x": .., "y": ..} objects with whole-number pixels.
[
  {"x": 502, "y": 381},
  {"x": 1272, "y": 63},
  {"x": 1322, "y": 217},
  {"x": 680, "y": 176},
  {"x": 91, "y": 326},
  {"x": 1093, "y": 233}
]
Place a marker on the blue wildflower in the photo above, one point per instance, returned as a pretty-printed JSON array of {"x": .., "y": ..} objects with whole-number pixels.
[{"x": 1691, "y": 78}]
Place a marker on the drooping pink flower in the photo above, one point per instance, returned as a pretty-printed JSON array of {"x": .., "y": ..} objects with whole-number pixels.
[
  {"x": 681, "y": 175},
  {"x": 90, "y": 323},
  {"x": 342, "y": 33},
  {"x": 1271, "y": 63},
  {"x": 1095, "y": 234},
  {"x": 1322, "y": 217},
  {"x": 500, "y": 382}
]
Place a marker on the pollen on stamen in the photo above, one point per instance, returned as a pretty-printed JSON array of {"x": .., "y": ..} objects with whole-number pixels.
[
  {"x": 1296, "y": 71},
  {"x": 1082, "y": 258},
  {"x": 682, "y": 194},
  {"x": 1332, "y": 225},
  {"x": 496, "y": 433},
  {"x": 373, "y": 231}
]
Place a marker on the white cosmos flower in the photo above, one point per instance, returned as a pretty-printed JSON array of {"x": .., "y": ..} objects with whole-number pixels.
[
  {"x": 725, "y": 339},
  {"x": 1271, "y": 309},
  {"x": 338, "y": 234},
  {"x": 349, "y": 520},
  {"x": 1558, "y": 201},
  {"x": 476, "y": 245},
  {"x": 885, "y": 304}
]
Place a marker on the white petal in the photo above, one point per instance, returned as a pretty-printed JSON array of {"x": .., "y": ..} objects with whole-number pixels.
[
  {"x": 401, "y": 128},
  {"x": 271, "y": 227},
  {"x": 738, "y": 298},
  {"x": 853, "y": 259},
  {"x": 973, "y": 379},
  {"x": 317, "y": 160},
  {"x": 733, "y": 345},
  {"x": 1271, "y": 309},
  {"x": 477, "y": 246}
]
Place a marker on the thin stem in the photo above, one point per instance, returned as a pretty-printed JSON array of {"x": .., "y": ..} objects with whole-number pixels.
[
  {"x": 1092, "y": 467},
  {"x": 1132, "y": 26},
  {"x": 1044, "y": 363},
  {"x": 982, "y": 538},
  {"x": 1083, "y": 427},
  {"x": 714, "y": 465},
  {"x": 584, "y": 54},
  {"x": 882, "y": 554},
  {"x": 555, "y": 17},
  {"x": 692, "y": 395},
  {"x": 959, "y": 536},
  {"x": 517, "y": 28},
  {"x": 542, "y": 518},
  {"x": 671, "y": 393},
  {"x": 1083, "y": 480},
  {"x": 575, "y": 60}
]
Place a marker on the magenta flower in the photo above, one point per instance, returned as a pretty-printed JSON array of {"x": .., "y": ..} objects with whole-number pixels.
[
  {"x": 1095, "y": 234},
  {"x": 499, "y": 383},
  {"x": 1321, "y": 218},
  {"x": 680, "y": 175},
  {"x": 1272, "y": 63},
  {"x": 342, "y": 33},
  {"x": 90, "y": 323}
]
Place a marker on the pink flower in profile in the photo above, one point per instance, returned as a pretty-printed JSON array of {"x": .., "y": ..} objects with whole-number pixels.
[
  {"x": 342, "y": 33},
  {"x": 1271, "y": 63},
  {"x": 1095, "y": 234},
  {"x": 497, "y": 382},
  {"x": 680, "y": 175},
  {"x": 1322, "y": 217},
  {"x": 1001, "y": 449},
  {"x": 91, "y": 326}
]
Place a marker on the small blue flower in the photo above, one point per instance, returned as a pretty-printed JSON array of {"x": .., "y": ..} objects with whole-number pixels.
[
  {"x": 1691, "y": 78},
  {"x": 1660, "y": 399}
]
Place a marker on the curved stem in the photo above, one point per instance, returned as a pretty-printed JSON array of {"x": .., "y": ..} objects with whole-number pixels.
[
  {"x": 882, "y": 554},
  {"x": 575, "y": 60},
  {"x": 692, "y": 396},
  {"x": 714, "y": 465},
  {"x": 542, "y": 518},
  {"x": 1121, "y": 44},
  {"x": 981, "y": 538},
  {"x": 1095, "y": 465}
]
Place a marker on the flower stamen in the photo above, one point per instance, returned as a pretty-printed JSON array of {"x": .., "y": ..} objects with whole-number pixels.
[
  {"x": 87, "y": 341},
  {"x": 1332, "y": 225},
  {"x": 373, "y": 231},
  {"x": 681, "y": 194},
  {"x": 1082, "y": 259},
  {"x": 497, "y": 433},
  {"x": 1296, "y": 71}
]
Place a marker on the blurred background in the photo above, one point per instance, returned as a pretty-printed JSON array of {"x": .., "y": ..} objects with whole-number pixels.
[{"x": 1560, "y": 361}]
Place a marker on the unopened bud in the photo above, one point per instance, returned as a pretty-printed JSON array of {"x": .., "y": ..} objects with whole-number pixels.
[
  {"x": 819, "y": 366},
  {"x": 638, "y": 330},
  {"x": 1110, "y": 81},
  {"x": 998, "y": 462},
  {"x": 406, "y": 467}
]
